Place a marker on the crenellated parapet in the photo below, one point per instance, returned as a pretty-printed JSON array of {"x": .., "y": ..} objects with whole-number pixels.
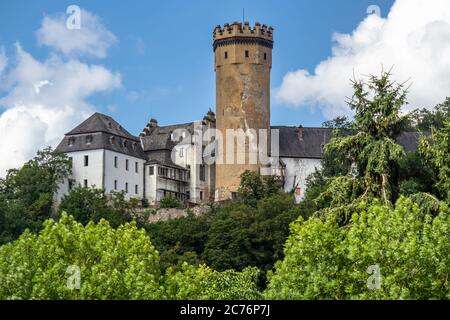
[{"x": 243, "y": 33}]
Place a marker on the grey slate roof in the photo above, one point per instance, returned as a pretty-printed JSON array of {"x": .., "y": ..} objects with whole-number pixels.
[
  {"x": 315, "y": 138},
  {"x": 160, "y": 139},
  {"x": 101, "y": 132},
  {"x": 102, "y": 123}
]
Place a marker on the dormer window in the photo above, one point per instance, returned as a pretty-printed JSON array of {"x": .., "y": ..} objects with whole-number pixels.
[
  {"x": 125, "y": 144},
  {"x": 71, "y": 141},
  {"x": 134, "y": 146},
  {"x": 111, "y": 140},
  {"x": 109, "y": 125},
  {"x": 89, "y": 139}
]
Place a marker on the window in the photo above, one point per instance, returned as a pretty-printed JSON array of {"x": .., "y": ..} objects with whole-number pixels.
[
  {"x": 86, "y": 161},
  {"x": 136, "y": 189},
  {"x": 152, "y": 170},
  {"x": 85, "y": 183},
  {"x": 115, "y": 162},
  {"x": 181, "y": 153},
  {"x": 201, "y": 195},
  {"x": 71, "y": 141},
  {"x": 88, "y": 139},
  {"x": 70, "y": 184},
  {"x": 265, "y": 56},
  {"x": 188, "y": 172},
  {"x": 125, "y": 144},
  {"x": 234, "y": 195},
  {"x": 136, "y": 167},
  {"x": 126, "y": 187},
  {"x": 188, "y": 195},
  {"x": 226, "y": 55},
  {"x": 71, "y": 161},
  {"x": 247, "y": 53},
  {"x": 115, "y": 184},
  {"x": 127, "y": 163},
  {"x": 202, "y": 172}
]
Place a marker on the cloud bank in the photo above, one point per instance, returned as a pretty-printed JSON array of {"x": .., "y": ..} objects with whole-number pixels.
[
  {"x": 42, "y": 100},
  {"x": 414, "y": 39},
  {"x": 92, "y": 39}
]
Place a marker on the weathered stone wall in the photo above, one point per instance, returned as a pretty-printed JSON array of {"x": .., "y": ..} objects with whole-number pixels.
[
  {"x": 242, "y": 98},
  {"x": 174, "y": 213}
]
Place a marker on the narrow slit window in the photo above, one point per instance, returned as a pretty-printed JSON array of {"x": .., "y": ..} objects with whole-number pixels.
[
  {"x": 247, "y": 54},
  {"x": 226, "y": 55}
]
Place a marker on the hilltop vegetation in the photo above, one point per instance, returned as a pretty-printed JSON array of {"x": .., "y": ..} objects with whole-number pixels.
[{"x": 374, "y": 224}]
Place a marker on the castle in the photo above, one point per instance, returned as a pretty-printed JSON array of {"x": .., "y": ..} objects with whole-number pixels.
[{"x": 172, "y": 160}]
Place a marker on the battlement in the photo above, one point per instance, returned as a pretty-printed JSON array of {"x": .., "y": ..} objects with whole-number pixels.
[{"x": 237, "y": 29}]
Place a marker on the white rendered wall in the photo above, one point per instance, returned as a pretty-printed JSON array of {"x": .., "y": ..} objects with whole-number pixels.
[
  {"x": 150, "y": 184},
  {"x": 122, "y": 176},
  {"x": 93, "y": 173},
  {"x": 101, "y": 172},
  {"x": 296, "y": 172}
]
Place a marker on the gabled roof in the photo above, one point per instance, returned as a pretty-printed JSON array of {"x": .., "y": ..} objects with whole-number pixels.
[
  {"x": 100, "y": 131},
  {"x": 315, "y": 138},
  {"x": 102, "y": 123},
  {"x": 160, "y": 137}
]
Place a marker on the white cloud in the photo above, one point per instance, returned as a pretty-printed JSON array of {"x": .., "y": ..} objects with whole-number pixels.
[
  {"x": 414, "y": 39},
  {"x": 43, "y": 100},
  {"x": 92, "y": 39},
  {"x": 3, "y": 59}
]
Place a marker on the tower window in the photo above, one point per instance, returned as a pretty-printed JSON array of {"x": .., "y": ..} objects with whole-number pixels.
[
  {"x": 247, "y": 53},
  {"x": 202, "y": 172},
  {"x": 152, "y": 170},
  {"x": 265, "y": 56},
  {"x": 226, "y": 55}
]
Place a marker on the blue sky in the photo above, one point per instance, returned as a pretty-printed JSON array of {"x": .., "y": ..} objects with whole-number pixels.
[
  {"x": 140, "y": 59},
  {"x": 164, "y": 52}
]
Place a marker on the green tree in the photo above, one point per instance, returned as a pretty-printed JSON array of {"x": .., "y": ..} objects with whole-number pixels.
[
  {"x": 169, "y": 201},
  {"x": 424, "y": 120},
  {"x": 203, "y": 283},
  {"x": 26, "y": 194},
  {"x": 254, "y": 187},
  {"x": 90, "y": 204},
  {"x": 436, "y": 153},
  {"x": 114, "y": 263},
  {"x": 325, "y": 260}
]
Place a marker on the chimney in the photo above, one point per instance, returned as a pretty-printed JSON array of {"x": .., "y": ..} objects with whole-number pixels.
[
  {"x": 153, "y": 123},
  {"x": 299, "y": 131}
]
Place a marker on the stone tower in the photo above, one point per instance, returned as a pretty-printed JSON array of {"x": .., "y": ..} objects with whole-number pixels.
[{"x": 243, "y": 60}]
